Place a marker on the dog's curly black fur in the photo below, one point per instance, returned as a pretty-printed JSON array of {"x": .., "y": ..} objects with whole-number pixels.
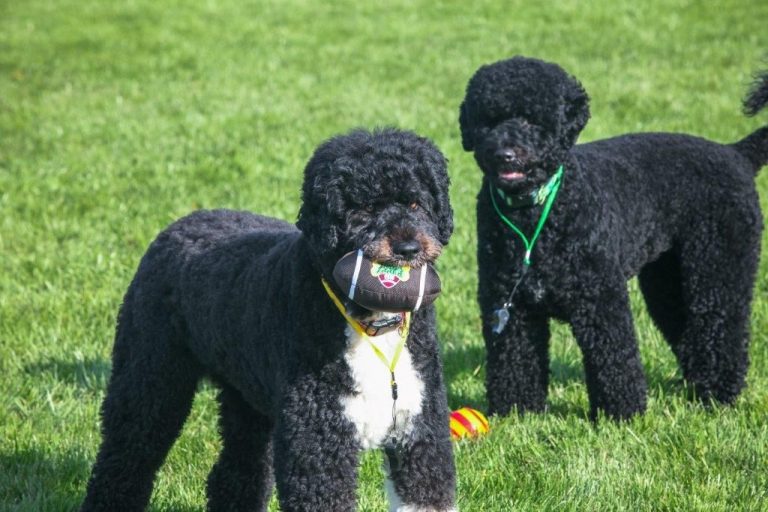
[
  {"x": 238, "y": 298},
  {"x": 676, "y": 210}
]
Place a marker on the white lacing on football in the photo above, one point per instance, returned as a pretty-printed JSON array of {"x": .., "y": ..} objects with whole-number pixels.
[
  {"x": 422, "y": 282},
  {"x": 353, "y": 284}
]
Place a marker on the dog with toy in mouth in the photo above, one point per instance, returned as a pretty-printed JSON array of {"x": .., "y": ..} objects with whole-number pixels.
[{"x": 308, "y": 377}]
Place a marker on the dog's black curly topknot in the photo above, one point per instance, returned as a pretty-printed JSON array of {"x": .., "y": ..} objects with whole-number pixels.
[
  {"x": 757, "y": 98},
  {"x": 502, "y": 91}
]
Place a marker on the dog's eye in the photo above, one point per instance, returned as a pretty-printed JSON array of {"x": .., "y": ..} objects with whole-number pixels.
[
  {"x": 369, "y": 208},
  {"x": 414, "y": 206}
]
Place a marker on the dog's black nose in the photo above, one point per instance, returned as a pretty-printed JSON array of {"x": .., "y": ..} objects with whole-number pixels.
[
  {"x": 505, "y": 155},
  {"x": 406, "y": 249}
]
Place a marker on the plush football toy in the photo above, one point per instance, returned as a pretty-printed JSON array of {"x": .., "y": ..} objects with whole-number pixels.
[{"x": 380, "y": 287}]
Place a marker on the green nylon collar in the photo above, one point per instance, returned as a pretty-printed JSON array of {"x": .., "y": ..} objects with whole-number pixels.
[
  {"x": 535, "y": 198},
  {"x": 548, "y": 193}
]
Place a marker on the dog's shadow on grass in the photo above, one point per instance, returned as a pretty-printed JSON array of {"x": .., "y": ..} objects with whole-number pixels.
[
  {"x": 464, "y": 375},
  {"x": 39, "y": 478},
  {"x": 36, "y": 479},
  {"x": 464, "y": 368},
  {"x": 86, "y": 374}
]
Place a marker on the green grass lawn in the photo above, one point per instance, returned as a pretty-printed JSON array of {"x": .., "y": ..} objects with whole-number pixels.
[{"x": 118, "y": 117}]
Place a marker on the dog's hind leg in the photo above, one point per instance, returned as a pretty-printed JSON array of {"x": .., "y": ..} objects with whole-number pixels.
[
  {"x": 149, "y": 396},
  {"x": 718, "y": 278},
  {"x": 242, "y": 477},
  {"x": 661, "y": 284}
]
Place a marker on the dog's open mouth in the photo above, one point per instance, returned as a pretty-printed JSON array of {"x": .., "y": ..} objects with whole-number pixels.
[{"x": 510, "y": 175}]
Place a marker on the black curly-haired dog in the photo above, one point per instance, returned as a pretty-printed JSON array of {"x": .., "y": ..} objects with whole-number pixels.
[
  {"x": 238, "y": 298},
  {"x": 676, "y": 210}
]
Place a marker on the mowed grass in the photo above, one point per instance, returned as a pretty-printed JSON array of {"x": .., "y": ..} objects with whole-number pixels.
[{"x": 118, "y": 117}]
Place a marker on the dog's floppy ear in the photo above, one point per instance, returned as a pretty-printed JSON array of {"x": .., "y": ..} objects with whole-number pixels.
[
  {"x": 575, "y": 111},
  {"x": 465, "y": 122},
  {"x": 319, "y": 209},
  {"x": 445, "y": 221},
  {"x": 435, "y": 177},
  {"x": 322, "y": 205},
  {"x": 443, "y": 209}
]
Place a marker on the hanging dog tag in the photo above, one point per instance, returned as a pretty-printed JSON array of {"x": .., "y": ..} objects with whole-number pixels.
[
  {"x": 500, "y": 319},
  {"x": 501, "y": 315}
]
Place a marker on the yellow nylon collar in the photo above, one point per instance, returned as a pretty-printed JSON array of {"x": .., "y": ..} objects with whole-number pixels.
[
  {"x": 391, "y": 364},
  {"x": 392, "y": 449}
]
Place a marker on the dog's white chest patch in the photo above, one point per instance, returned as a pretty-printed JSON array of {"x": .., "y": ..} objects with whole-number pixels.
[{"x": 370, "y": 408}]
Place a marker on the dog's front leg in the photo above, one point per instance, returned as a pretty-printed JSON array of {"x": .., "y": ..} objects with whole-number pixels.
[
  {"x": 423, "y": 479},
  {"x": 603, "y": 327},
  {"x": 316, "y": 452},
  {"x": 517, "y": 361}
]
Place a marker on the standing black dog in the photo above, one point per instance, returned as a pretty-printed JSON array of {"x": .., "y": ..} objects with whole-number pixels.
[
  {"x": 238, "y": 298},
  {"x": 676, "y": 210}
]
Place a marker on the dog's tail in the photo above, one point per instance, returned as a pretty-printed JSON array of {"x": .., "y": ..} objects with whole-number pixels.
[{"x": 755, "y": 145}]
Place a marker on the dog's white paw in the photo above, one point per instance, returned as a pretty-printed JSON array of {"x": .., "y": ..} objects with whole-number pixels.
[{"x": 396, "y": 504}]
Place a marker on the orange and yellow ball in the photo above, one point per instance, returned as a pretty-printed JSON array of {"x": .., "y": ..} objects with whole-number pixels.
[{"x": 468, "y": 422}]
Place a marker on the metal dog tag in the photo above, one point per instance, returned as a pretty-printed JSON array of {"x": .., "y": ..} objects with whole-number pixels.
[{"x": 500, "y": 319}]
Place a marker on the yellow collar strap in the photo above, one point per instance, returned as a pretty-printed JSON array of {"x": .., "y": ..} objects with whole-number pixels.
[
  {"x": 392, "y": 448},
  {"x": 391, "y": 364}
]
